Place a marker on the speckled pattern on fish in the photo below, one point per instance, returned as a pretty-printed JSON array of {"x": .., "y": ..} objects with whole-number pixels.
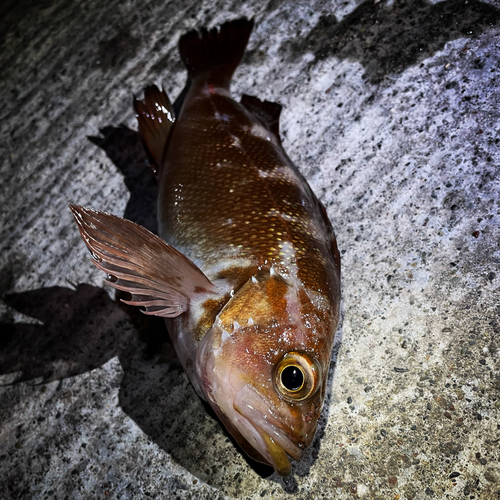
[{"x": 249, "y": 277}]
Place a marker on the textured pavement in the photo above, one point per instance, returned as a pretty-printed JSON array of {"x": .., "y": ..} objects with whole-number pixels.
[{"x": 392, "y": 112}]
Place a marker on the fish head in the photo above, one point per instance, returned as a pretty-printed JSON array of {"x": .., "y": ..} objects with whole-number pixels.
[{"x": 263, "y": 369}]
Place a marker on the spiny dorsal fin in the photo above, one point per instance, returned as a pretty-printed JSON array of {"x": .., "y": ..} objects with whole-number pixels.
[
  {"x": 267, "y": 112},
  {"x": 215, "y": 53},
  {"x": 155, "y": 116},
  {"x": 159, "y": 277}
]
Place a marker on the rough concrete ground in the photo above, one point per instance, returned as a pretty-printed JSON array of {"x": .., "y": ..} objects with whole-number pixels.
[{"x": 391, "y": 110}]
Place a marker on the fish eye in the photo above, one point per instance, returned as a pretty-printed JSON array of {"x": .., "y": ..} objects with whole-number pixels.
[
  {"x": 292, "y": 378},
  {"x": 296, "y": 377}
]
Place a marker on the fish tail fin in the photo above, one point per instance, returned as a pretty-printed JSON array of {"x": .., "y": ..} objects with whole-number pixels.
[
  {"x": 214, "y": 54},
  {"x": 156, "y": 116}
]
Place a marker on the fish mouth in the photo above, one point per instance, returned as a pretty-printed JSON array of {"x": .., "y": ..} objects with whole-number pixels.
[{"x": 262, "y": 431}]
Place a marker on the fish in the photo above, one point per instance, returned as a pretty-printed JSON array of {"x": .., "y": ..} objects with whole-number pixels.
[{"x": 245, "y": 269}]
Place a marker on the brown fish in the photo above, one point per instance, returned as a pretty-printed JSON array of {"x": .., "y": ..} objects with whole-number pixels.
[{"x": 247, "y": 271}]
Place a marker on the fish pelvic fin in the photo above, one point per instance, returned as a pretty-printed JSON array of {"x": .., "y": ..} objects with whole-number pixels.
[
  {"x": 159, "y": 278},
  {"x": 214, "y": 54},
  {"x": 156, "y": 117},
  {"x": 267, "y": 112}
]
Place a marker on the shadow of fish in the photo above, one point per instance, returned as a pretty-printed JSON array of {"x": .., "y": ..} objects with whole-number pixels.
[{"x": 245, "y": 270}]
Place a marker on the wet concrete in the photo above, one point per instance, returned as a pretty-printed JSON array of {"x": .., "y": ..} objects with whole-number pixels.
[{"x": 391, "y": 111}]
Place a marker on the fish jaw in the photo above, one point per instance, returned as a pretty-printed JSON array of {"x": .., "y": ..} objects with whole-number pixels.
[
  {"x": 275, "y": 444},
  {"x": 268, "y": 428}
]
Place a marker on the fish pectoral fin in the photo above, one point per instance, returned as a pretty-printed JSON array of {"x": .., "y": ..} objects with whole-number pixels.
[
  {"x": 267, "y": 112},
  {"x": 158, "y": 277},
  {"x": 156, "y": 116}
]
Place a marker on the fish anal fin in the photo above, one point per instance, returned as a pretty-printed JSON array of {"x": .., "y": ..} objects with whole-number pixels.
[
  {"x": 267, "y": 112},
  {"x": 214, "y": 54},
  {"x": 159, "y": 278},
  {"x": 156, "y": 117}
]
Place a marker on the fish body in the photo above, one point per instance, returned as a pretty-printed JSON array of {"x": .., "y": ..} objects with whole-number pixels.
[{"x": 247, "y": 271}]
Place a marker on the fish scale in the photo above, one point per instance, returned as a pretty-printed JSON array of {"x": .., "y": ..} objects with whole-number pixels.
[
  {"x": 246, "y": 271},
  {"x": 236, "y": 200}
]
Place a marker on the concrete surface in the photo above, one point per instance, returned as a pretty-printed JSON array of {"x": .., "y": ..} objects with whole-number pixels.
[{"x": 391, "y": 110}]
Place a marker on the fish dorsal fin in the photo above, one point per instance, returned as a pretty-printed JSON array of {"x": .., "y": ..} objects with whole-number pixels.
[
  {"x": 158, "y": 277},
  {"x": 267, "y": 112},
  {"x": 156, "y": 116},
  {"x": 214, "y": 54}
]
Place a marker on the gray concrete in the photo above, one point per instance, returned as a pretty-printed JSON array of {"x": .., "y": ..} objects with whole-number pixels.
[{"x": 392, "y": 113}]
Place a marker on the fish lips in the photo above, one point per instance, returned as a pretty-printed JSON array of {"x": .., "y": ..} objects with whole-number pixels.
[
  {"x": 247, "y": 414},
  {"x": 262, "y": 430}
]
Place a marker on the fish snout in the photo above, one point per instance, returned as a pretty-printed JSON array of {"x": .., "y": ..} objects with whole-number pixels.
[{"x": 276, "y": 439}]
